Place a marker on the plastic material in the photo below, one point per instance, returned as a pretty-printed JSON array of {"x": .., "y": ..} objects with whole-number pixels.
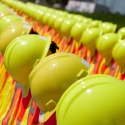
[
  {"x": 105, "y": 43},
  {"x": 11, "y": 32},
  {"x": 108, "y": 27},
  {"x": 23, "y": 53},
  {"x": 89, "y": 37},
  {"x": 93, "y": 100},
  {"x": 8, "y": 20},
  {"x": 53, "y": 75},
  {"x": 118, "y": 54}
]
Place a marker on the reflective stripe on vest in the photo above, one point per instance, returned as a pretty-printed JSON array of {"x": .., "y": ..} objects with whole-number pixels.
[
  {"x": 33, "y": 117},
  {"x": 23, "y": 106},
  {"x": 11, "y": 114}
]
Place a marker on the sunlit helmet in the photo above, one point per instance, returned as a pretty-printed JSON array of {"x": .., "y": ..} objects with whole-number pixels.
[
  {"x": 105, "y": 43},
  {"x": 23, "y": 53},
  {"x": 11, "y": 32},
  {"x": 46, "y": 17},
  {"x": 8, "y": 20},
  {"x": 95, "y": 23},
  {"x": 53, "y": 75},
  {"x": 118, "y": 54},
  {"x": 77, "y": 30},
  {"x": 89, "y": 37},
  {"x": 4, "y": 12},
  {"x": 66, "y": 26},
  {"x": 52, "y": 19},
  {"x": 108, "y": 27},
  {"x": 58, "y": 22},
  {"x": 121, "y": 31},
  {"x": 78, "y": 17},
  {"x": 93, "y": 100}
]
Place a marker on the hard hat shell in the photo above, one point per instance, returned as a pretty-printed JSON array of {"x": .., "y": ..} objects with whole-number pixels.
[
  {"x": 61, "y": 12},
  {"x": 105, "y": 43},
  {"x": 52, "y": 19},
  {"x": 45, "y": 17},
  {"x": 121, "y": 31},
  {"x": 95, "y": 23},
  {"x": 89, "y": 37},
  {"x": 93, "y": 100},
  {"x": 108, "y": 27},
  {"x": 4, "y": 13},
  {"x": 47, "y": 14},
  {"x": 53, "y": 75},
  {"x": 87, "y": 20},
  {"x": 8, "y": 20},
  {"x": 11, "y": 32},
  {"x": 66, "y": 26},
  {"x": 23, "y": 53},
  {"x": 77, "y": 30},
  {"x": 78, "y": 17},
  {"x": 118, "y": 53},
  {"x": 58, "y": 22}
]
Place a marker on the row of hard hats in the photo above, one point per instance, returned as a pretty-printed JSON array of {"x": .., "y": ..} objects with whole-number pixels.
[
  {"x": 97, "y": 99},
  {"x": 24, "y": 60},
  {"x": 80, "y": 32},
  {"x": 62, "y": 21},
  {"x": 93, "y": 100},
  {"x": 12, "y": 26}
]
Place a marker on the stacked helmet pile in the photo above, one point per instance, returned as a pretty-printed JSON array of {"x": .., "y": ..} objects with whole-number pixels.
[{"x": 63, "y": 82}]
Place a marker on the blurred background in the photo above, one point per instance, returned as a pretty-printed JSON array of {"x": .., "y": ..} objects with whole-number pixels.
[{"x": 105, "y": 10}]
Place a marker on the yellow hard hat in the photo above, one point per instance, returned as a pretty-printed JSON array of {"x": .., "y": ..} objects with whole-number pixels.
[
  {"x": 23, "y": 53},
  {"x": 108, "y": 27},
  {"x": 89, "y": 37},
  {"x": 46, "y": 16},
  {"x": 121, "y": 31},
  {"x": 95, "y": 23},
  {"x": 105, "y": 43},
  {"x": 53, "y": 75},
  {"x": 61, "y": 12},
  {"x": 58, "y": 22},
  {"x": 52, "y": 19},
  {"x": 4, "y": 10},
  {"x": 8, "y": 20},
  {"x": 78, "y": 17},
  {"x": 77, "y": 30},
  {"x": 93, "y": 100},
  {"x": 66, "y": 26},
  {"x": 11, "y": 32},
  {"x": 87, "y": 20},
  {"x": 118, "y": 54}
]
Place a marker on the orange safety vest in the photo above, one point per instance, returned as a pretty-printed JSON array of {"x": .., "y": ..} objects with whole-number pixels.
[
  {"x": 56, "y": 38},
  {"x": 44, "y": 29},
  {"x": 1, "y": 58},
  {"x": 51, "y": 32},
  {"x": 97, "y": 62},
  {"x": 24, "y": 103},
  {"x": 3, "y": 75},
  {"x": 6, "y": 96},
  {"x": 50, "y": 121},
  {"x": 63, "y": 44},
  {"x": 13, "y": 109},
  {"x": 122, "y": 77},
  {"x": 82, "y": 51},
  {"x": 71, "y": 46},
  {"x": 33, "y": 117},
  {"x": 114, "y": 69}
]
